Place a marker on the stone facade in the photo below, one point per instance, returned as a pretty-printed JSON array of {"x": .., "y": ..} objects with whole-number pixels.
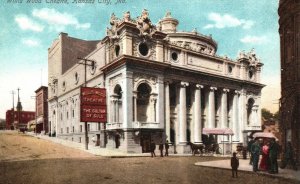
[
  {"x": 289, "y": 30},
  {"x": 161, "y": 84}
]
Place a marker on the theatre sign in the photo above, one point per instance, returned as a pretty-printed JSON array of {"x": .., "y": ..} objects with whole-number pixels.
[{"x": 93, "y": 105}]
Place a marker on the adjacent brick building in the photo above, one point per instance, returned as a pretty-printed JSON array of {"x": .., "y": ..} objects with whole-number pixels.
[
  {"x": 289, "y": 30},
  {"x": 41, "y": 109},
  {"x": 18, "y": 119}
]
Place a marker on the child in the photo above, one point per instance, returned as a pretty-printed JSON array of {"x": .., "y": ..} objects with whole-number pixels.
[{"x": 234, "y": 164}]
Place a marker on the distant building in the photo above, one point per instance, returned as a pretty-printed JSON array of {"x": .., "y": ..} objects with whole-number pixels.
[
  {"x": 161, "y": 84},
  {"x": 289, "y": 30},
  {"x": 18, "y": 119},
  {"x": 41, "y": 109}
]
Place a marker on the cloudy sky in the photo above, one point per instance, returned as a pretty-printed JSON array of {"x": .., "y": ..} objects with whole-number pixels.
[{"x": 28, "y": 29}]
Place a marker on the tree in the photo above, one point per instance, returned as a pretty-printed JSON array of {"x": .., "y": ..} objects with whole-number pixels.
[
  {"x": 276, "y": 115},
  {"x": 266, "y": 114}
]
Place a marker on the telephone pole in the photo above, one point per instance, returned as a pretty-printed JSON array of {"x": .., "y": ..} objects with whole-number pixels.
[
  {"x": 86, "y": 62},
  {"x": 13, "y": 108}
]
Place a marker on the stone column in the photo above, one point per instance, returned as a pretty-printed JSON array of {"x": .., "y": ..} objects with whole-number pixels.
[
  {"x": 224, "y": 111},
  {"x": 198, "y": 116},
  {"x": 211, "y": 107},
  {"x": 127, "y": 99},
  {"x": 135, "y": 106},
  {"x": 242, "y": 119},
  {"x": 117, "y": 110},
  {"x": 167, "y": 111},
  {"x": 153, "y": 100},
  {"x": 182, "y": 112},
  {"x": 235, "y": 119},
  {"x": 112, "y": 109},
  {"x": 160, "y": 103}
]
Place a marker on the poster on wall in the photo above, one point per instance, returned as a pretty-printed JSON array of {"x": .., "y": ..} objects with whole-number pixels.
[{"x": 93, "y": 105}]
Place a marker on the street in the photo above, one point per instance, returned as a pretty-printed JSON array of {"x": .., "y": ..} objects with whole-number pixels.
[{"x": 26, "y": 159}]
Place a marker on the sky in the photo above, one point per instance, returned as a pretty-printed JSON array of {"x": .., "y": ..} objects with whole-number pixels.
[{"x": 28, "y": 29}]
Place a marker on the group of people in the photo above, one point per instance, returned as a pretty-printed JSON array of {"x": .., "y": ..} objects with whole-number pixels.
[
  {"x": 161, "y": 148},
  {"x": 269, "y": 149}
]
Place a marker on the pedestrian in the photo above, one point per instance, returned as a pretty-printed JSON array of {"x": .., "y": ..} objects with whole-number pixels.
[
  {"x": 255, "y": 151},
  {"x": 264, "y": 162},
  {"x": 273, "y": 153},
  {"x": 234, "y": 165},
  {"x": 161, "y": 148},
  {"x": 152, "y": 148},
  {"x": 167, "y": 148},
  {"x": 249, "y": 149},
  {"x": 289, "y": 157}
]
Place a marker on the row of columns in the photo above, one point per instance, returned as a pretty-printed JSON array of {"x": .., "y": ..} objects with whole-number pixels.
[{"x": 180, "y": 129}]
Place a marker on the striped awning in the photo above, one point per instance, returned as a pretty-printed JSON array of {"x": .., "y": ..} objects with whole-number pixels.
[{"x": 217, "y": 131}]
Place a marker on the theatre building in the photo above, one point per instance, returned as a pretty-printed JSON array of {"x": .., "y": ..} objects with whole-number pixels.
[{"x": 161, "y": 84}]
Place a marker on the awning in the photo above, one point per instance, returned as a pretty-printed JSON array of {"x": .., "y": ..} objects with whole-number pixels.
[
  {"x": 264, "y": 135},
  {"x": 39, "y": 120},
  {"x": 217, "y": 131}
]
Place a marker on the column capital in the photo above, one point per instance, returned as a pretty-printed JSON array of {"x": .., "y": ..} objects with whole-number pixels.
[
  {"x": 213, "y": 88},
  {"x": 198, "y": 86},
  {"x": 168, "y": 81},
  {"x": 184, "y": 84},
  {"x": 153, "y": 99},
  {"x": 225, "y": 90}
]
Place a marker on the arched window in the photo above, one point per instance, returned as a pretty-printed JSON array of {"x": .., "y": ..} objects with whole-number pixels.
[
  {"x": 249, "y": 110},
  {"x": 144, "y": 112},
  {"x": 116, "y": 104}
]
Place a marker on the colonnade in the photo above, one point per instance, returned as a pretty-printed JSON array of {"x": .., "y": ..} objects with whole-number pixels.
[{"x": 230, "y": 111}]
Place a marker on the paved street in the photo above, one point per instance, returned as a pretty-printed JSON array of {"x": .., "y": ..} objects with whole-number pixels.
[{"x": 28, "y": 159}]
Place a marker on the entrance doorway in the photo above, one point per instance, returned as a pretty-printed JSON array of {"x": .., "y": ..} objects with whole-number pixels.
[
  {"x": 145, "y": 142},
  {"x": 98, "y": 140},
  {"x": 117, "y": 140}
]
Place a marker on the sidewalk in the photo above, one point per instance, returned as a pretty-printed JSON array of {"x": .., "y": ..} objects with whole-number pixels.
[
  {"x": 246, "y": 167},
  {"x": 222, "y": 164}
]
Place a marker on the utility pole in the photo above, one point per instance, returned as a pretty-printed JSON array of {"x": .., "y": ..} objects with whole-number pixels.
[
  {"x": 86, "y": 62},
  {"x": 19, "y": 108},
  {"x": 13, "y": 107}
]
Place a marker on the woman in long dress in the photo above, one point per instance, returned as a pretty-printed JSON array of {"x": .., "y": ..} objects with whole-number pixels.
[{"x": 263, "y": 166}]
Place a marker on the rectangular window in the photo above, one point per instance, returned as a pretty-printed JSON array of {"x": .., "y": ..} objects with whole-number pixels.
[
  {"x": 73, "y": 113},
  {"x": 79, "y": 139},
  {"x": 80, "y": 128},
  {"x": 73, "y": 129},
  {"x": 67, "y": 130},
  {"x": 89, "y": 127}
]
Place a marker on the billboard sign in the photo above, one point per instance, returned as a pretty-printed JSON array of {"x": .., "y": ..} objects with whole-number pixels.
[{"x": 93, "y": 105}]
